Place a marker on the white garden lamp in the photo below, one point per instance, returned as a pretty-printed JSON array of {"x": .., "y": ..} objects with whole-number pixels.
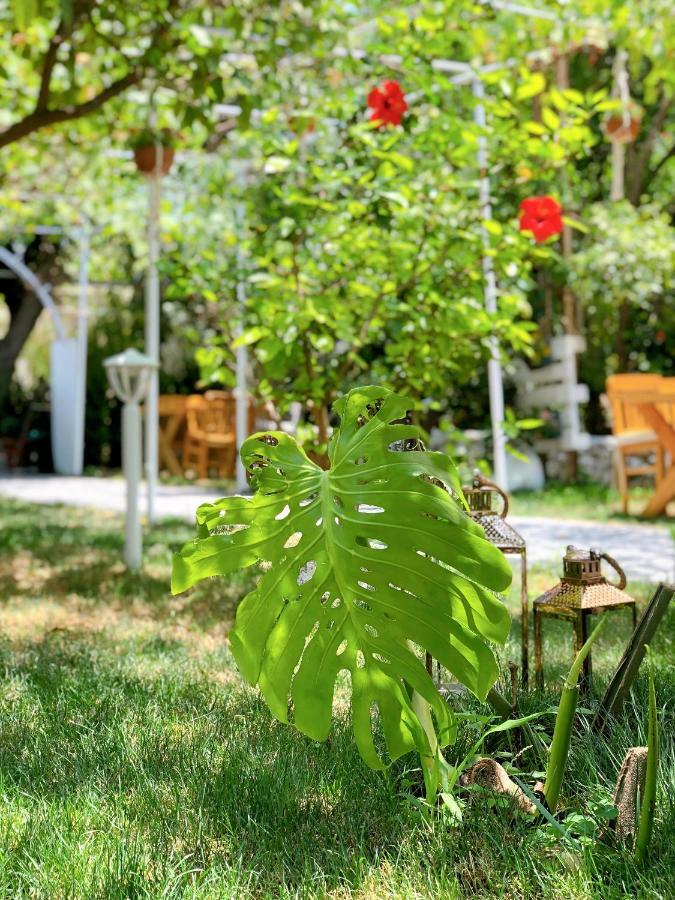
[{"x": 129, "y": 375}]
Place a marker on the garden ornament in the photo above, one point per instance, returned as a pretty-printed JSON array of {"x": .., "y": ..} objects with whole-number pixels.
[
  {"x": 483, "y": 499},
  {"x": 582, "y": 591},
  {"x": 129, "y": 373}
]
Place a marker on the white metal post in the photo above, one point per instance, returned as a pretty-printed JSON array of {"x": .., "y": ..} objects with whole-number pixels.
[
  {"x": 131, "y": 465},
  {"x": 82, "y": 297},
  {"x": 152, "y": 339},
  {"x": 495, "y": 385},
  {"x": 241, "y": 389}
]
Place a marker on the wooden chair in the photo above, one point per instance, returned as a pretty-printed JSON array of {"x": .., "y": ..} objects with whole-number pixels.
[
  {"x": 172, "y": 411},
  {"x": 231, "y": 403},
  {"x": 633, "y": 436},
  {"x": 210, "y": 438}
]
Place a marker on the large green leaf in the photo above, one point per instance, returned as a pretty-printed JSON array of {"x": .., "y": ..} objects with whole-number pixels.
[{"x": 362, "y": 564}]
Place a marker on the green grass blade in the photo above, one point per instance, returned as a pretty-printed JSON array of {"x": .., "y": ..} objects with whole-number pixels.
[
  {"x": 646, "y": 825},
  {"x": 562, "y": 733}
]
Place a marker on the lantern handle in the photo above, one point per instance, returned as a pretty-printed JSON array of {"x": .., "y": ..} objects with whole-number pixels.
[
  {"x": 614, "y": 564},
  {"x": 485, "y": 482}
]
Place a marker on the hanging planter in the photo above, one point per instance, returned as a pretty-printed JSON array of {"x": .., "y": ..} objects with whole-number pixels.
[
  {"x": 153, "y": 151},
  {"x": 624, "y": 125}
]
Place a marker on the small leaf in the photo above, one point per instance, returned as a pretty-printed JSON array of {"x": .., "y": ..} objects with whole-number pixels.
[
  {"x": 576, "y": 224},
  {"x": 492, "y": 226},
  {"x": 535, "y": 128},
  {"x": 535, "y": 84},
  {"x": 550, "y": 119}
]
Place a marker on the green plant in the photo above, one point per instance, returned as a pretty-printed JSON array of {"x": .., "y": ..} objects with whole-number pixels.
[
  {"x": 363, "y": 565},
  {"x": 564, "y": 722},
  {"x": 646, "y": 825},
  {"x": 150, "y": 137}
]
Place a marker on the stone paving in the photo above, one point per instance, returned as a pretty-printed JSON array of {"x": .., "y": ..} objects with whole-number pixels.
[{"x": 647, "y": 552}]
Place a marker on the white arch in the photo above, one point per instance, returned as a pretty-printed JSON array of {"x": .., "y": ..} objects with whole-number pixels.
[
  {"x": 68, "y": 361},
  {"x": 12, "y": 261}
]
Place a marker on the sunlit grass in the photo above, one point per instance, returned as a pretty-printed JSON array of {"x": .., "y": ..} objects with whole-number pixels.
[{"x": 134, "y": 763}]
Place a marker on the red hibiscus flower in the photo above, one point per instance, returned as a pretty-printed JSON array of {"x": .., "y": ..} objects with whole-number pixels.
[
  {"x": 542, "y": 216},
  {"x": 387, "y": 103}
]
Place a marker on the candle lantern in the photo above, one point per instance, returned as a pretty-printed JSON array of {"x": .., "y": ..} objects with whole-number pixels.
[
  {"x": 489, "y": 506},
  {"x": 581, "y": 592}
]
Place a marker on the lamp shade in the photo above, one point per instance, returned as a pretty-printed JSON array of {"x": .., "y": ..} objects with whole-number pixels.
[{"x": 128, "y": 373}]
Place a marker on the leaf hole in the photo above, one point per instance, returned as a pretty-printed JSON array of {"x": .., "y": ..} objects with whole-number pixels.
[
  {"x": 360, "y": 660},
  {"x": 293, "y": 540},
  {"x": 372, "y": 631},
  {"x": 307, "y": 571},
  {"x": 361, "y": 461},
  {"x": 336, "y": 603},
  {"x": 284, "y": 512},
  {"x": 337, "y": 501},
  {"x": 341, "y": 649},
  {"x": 363, "y": 604},
  {"x": 407, "y": 445},
  {"x": 268, "y": 439},
  {"x": 381, "y": 659},
  {"x": 365, "y": 585},
  {"x": 307, "y": 500},
  {"x": 325, "y": 597},
  {"x": 319, "y": 521}
]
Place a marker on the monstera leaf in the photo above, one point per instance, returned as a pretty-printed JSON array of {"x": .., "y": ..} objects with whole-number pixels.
[{"x": 363, "y": 566}]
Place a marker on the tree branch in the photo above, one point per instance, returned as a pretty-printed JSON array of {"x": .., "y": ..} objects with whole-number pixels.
[
  {"x": 638, "y": 164},
  {"x": 44, "y": 118},
  {"x": 657, "y": 168},
  {"x": 48, "y": 68}
]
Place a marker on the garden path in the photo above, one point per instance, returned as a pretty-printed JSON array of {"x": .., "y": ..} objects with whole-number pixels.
[{"x": 647, "y": 552}]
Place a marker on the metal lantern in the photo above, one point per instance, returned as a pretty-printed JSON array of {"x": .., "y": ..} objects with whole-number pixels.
[
  {"x": 581, "y": 592},
  {"x": 129, "y": 375},
  {"x": 484, "y": 498}
]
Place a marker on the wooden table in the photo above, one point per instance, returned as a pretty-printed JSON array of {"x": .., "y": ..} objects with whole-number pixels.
[
  {"x": 171, "y": 421},
  {"x": 658, "y": 410}
]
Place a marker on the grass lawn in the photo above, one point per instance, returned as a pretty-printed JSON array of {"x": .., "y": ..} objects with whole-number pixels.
[
  {"x": 584, "y": 501},
  {"x": 134, "y": 763}
]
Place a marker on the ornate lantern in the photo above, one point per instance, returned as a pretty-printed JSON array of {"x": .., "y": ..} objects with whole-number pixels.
[
  {"x": 483, "y": 498},
  {"x": 582, "y": 591}
]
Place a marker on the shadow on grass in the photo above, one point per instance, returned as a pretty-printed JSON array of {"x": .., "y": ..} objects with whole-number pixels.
[{"x": 188, "y": 762}]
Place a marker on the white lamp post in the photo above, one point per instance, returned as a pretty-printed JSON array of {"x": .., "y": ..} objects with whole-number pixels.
[{"x": 129, "y": 375}]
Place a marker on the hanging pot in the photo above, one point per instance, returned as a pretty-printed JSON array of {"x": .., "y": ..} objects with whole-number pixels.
[
  {"x": 623, "y": 126},
  {"x": 146, "y": 158}
]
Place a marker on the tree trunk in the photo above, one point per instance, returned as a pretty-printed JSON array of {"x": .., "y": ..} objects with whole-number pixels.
[
  {"x": 24, "y": 307},
  {"x": 24, "y": 314}
]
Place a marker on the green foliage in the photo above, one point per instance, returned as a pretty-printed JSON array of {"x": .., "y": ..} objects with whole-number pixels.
[
  {"x": 624, "y": 275},
  {"x": 647, "y": 810},
  {"x": 629, "y": 255},
  {"x": 361, "y": 563},
  {"x": 66, "y": 62},
  {"x": 150, "y": 137}
]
